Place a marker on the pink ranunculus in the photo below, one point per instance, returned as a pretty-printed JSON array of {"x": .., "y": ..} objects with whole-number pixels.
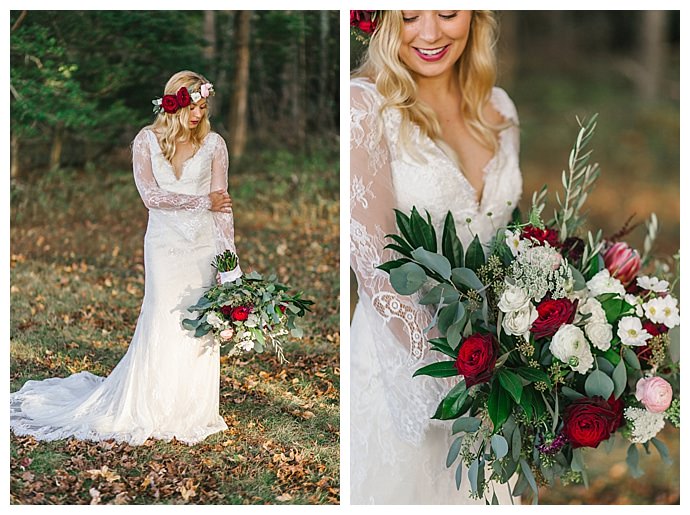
[
  {"x": 622, "y": 262},
  {"x": 655, "y": 393},
  {"x": 227, "y": 334}
]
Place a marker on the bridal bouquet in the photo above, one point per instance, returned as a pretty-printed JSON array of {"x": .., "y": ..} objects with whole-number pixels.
[
  {"x": 247, "y": 312},
  {"x": 560, "y": 342}
]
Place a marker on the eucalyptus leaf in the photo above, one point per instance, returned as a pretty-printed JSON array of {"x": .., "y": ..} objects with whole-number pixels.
[
  {"x": 453, "y": 451},
  {"x": 433, "y": 261},
  {"x": 620, "y": 379},
  {"x": 674, "y": 344},
  {"x": 499, "y": 446},
  {"x": 466, "y": 277},
  {"x": 458, "y": 476},
  {"x": 454, "y": 334},
  {"x": 408, "y": 278},
  {"x": 466, "y": 424},
  {"x": 604, "y": 365},
  {"x": 633, "y": 460},
  {"x": 579, "y": 282},
  {"x": 663, "y": 451},
  {"x": 631, "y": 358},
  {"x": 472, "y": 475},
  {"x": 571, "y": 394},
  {"x": 524, "y": 467},
  {"x": 598, "y": 383}
]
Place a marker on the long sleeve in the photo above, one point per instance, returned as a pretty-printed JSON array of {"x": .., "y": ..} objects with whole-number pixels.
[
  {"x": 153, "y": 196},
  {"x": 371, "y": 218},
  {"x": 224, "y": 226}
]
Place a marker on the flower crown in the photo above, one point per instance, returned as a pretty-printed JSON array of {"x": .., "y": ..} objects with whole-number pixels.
[
  {"x": 365, "y": 21},
  {"x": 173, "y": 103}
]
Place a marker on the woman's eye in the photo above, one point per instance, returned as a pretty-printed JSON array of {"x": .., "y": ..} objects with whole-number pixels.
[
  {"x": 448, "y": 16},
  {"x": 410, "y": 19}
]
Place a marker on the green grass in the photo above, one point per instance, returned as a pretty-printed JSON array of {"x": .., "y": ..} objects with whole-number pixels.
[{"x": 76, "y": 289}]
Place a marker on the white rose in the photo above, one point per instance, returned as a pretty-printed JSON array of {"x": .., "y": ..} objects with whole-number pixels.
[
  {"x": 518, "y": 322},
  {"x": 592, "y": 307},
  {"x": 602, "y": 282},
  {"x": 600, "y": 334},
  {"x": 571, "y": 347},
  {"x": 512, "y": 299}
]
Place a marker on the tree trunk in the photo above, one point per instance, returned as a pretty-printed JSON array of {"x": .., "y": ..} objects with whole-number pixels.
[
  {"x": 298, "y": 86},
  {"x": 210, "y": 52},
  {"x": 56, "y": 147},
  {"x": 508, "y": 52},
  {"x": 652, "y": 54},
  {"x": 238, "y": 110},
  {"x": 322, "y": 116},
  {"x": 14, "y": 158}
]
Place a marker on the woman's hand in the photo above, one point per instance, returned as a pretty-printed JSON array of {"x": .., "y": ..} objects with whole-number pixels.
[{"x": 220, "y": 201}]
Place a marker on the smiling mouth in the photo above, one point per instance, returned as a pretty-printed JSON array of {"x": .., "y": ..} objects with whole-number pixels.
[{"x": 431, "y": 52}]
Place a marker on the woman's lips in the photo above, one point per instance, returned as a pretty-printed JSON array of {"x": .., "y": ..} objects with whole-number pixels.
[{"x": 431, "y": 55}]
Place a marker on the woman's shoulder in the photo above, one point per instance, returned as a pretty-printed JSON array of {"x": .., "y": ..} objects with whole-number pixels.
[
  {"x": 364, "y": 95},
  {"x": 504, "y": 105}
]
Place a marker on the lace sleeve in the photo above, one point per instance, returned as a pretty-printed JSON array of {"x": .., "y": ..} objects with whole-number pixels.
[
  {"x": 153, "y": 196},
  {"x": 371, "y": 218},
  {"x": 224, "y": 226}
]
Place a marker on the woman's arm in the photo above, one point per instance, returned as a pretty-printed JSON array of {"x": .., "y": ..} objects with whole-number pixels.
[
  {"x": 224, "y": 226},
  {"x": 371, "y": 217}
]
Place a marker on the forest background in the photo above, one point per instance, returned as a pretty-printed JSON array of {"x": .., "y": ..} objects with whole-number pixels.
[
  {"x": 81, "y": 85},
  {"x": 624, "y": 65}
]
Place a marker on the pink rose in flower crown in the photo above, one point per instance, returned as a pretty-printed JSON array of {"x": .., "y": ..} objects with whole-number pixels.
[
  {"x": 227, "y": 334},
  {"x": 655, "y": 393},
  {"x": 622, "y": 262},
  {"x": 206, "y": 89}
]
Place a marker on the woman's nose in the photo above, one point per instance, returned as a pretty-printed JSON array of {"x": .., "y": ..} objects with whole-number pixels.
[{"x": 429, "y": 29}]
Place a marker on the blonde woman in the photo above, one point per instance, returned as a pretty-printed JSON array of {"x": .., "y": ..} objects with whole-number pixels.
[
  {"x": 167, "y": 384},
  {"x": 430, "y": 130}
]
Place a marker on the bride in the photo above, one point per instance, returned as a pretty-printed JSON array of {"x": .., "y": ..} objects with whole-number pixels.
[
  {"x": 429, "y": 130},
  {"x": 167, "y": 384}
]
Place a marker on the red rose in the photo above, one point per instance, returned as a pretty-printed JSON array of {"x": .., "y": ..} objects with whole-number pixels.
[
  {"x": 241, "y": 313},
  {"x": 170, "y": 104},
  {"x": 477, "y": 358},
  {"x": 542, "y": 236},
  {"x": 183, "y": 97},
  {"x": 363, "y": 20},
  {"x": 553, "y": 313},
  {"x": 573, "y": 248},
  {"x": 589, "y": 421},
  {"x": 226, "y": 310},
  {"x": 654, "y": 329}
]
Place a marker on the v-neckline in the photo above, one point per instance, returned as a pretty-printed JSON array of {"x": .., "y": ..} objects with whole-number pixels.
[
  {"x": 486, "y": 169},
  {"x": 185, "y": 162}
]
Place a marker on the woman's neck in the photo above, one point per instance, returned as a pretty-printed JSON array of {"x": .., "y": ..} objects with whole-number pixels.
[{"x": 439, "y": 91}]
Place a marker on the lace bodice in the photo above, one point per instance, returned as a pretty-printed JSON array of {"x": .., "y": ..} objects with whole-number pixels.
[
  {"x": 182, "y": 204},
  {"x": 385, "y": 176}
]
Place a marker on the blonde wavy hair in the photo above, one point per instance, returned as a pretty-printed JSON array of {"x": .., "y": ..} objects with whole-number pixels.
[
  {"x": 476, "y": 70},
  {"x": 173, "y": 127}
]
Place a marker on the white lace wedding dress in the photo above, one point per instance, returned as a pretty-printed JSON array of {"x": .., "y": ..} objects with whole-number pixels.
[
  {"x": 397, "y": 453},
  {"x": 167, "y": 384}
]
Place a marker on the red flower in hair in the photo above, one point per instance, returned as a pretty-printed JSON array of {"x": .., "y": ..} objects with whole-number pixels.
[
  {"x": 183, "y": 98},
  {"x": 170, "y": 104},
  {"x": 363, "y": 20}
]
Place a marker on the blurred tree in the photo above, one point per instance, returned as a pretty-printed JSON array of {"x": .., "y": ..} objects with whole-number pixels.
[{"x": 237, "y": 124}]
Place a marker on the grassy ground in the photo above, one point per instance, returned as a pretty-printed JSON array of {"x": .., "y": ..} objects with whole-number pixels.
[{"x": 76, "y": 286}]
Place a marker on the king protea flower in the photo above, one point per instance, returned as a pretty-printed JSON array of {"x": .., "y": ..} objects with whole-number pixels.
[{"x": 622, "y": 262}]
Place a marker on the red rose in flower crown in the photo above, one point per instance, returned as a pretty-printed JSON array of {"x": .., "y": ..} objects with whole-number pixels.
[
  {"x": 183, "y": 97},
  {"x": 553, "y": 313},
  {"x": 541, "y": 236},
  {"x": 477, "y": 358},
  {"x": 364, "y": 21},
  {"x": 589, "y": 421},
  {"x": 241, "y": 313},
  {"x": 170, "y": 104}
]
